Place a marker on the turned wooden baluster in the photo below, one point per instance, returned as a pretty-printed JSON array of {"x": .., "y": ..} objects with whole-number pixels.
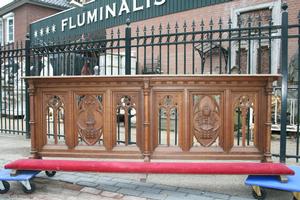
[
  {"x": 268, "y": 124},
  {"x": 34, "y": 137},
  {"x": 147, "y": 120}
]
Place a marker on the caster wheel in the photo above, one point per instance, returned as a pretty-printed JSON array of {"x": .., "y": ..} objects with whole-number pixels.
[
  {"x": 263, "y": 194},
  {"x": 6, "y": 187},
  {"x": 25, "y": 190},
  {"x": 50, "y": 173}
]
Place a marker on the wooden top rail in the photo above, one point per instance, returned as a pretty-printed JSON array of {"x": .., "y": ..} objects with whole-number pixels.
[{"x": 152, "y": 117}]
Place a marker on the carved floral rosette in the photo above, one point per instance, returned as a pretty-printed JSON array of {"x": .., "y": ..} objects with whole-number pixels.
[
  {"x": 90, "y": 119},
  {"x": 206, "y": 121}
]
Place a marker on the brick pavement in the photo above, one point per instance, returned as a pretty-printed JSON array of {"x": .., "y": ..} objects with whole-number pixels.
[{"x": 78, "y": 186}]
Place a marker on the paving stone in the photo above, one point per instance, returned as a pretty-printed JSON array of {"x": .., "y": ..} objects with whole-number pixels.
[
  {"x": 68, "y": 180},
  {"x": 216, "y": 195},
  {"x": 130, "y": 192},
  {"x": 88, "y": 196},
  {"x": 239, "y": 198},
  {"x": 89, "y": 175},
  {"x": 90, "y": 190},
  {"x": 104, "y": 198},
  {"x": 148, "y": 189},
  {"x": 173, "y": 193},
  {"x": 86, "y": 179},
  {"x": 105, "y": 178},
  {"x": 106, "y": 182},
  {"x": 55, "y": 189},
  {"x": 66, "y": 192},
  {"x": 120, "y": 180},
  {"x": 198, "y": 197},
  {"x": 41, "y": 180},
  {"x": 70, "y": 176},
  {"x": 190, "y": 191},
  {"x": 154, "y": 195},
  {"x": 71, "y": 198},
  {"x": 174, "y": 198},
  {"x": 165, "y": 187},
  {"x": 86, "y": 183},
  {"x": 57, "y": 178},
  {"x": 108, "y": 188},
  {"x": 133, "y": 198},
  {"x": 112, "y": 194},
  {"x": 143, "y": 184},
  {"x": 126, "y": 185},
  {"x": 72, "y": 187}
]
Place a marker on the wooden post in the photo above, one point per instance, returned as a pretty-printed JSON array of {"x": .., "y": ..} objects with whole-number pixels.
[
  {"x": 31, "y": 93},
  {"x": 268, "y": 124},
  {"x": 147, "y": 120}
]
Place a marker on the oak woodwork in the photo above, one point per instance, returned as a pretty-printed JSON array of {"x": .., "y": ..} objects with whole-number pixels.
[{"x": 198, "y": 114}]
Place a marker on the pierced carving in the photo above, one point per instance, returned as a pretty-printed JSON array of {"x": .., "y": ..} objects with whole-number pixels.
[
  {"x": 55, "y": 102},
  {"x": 126, "y": 113},
  {"x": 168, "y": 102},
  {"x": 126, "y": 102},
  {"x": 90, "y": 119},
  {"x": 54, "y": 113},
  {"x": 244, "y": 103},
  {"x": 169, "y": 110},
  {"x": 207, "y": 121}
]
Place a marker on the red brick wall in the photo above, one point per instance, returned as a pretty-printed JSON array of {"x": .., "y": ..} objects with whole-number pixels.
[{"x": 26, "y": 14}]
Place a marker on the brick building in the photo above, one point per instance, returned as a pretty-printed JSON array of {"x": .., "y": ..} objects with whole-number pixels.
[{"x": 16, "y": 16}]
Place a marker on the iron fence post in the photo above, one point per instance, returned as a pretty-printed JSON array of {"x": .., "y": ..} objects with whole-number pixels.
[
  {"x": 1, "y": 55},
  {"x": 284, "y": 84},
  {"x": 128, "y": 48},
  {"x": 27, "y": 73}
]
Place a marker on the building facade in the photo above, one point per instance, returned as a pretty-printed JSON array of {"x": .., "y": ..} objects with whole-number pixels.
[{"x": 16, "y": 16}]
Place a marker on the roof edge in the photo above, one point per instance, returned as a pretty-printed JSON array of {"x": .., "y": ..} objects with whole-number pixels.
[{"x": 15, "y": 4}]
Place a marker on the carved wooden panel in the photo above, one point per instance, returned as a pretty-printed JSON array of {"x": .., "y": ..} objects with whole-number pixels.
[
  {"x": 54, "y": 118},
  {"x": 206, "y": 121},
  {"x": 126, "y": 119},
  {"x": 167, "y": 116},
  {"x": 244, "y": 104},
  {"x": 90, "y": 119}
]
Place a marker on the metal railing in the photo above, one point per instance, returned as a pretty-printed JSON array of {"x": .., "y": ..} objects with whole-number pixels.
[{"x": 251, "y": 45}]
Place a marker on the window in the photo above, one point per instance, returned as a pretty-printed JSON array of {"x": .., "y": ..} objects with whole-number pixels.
[
  {"x": 10, "y": 29},
  {"x": 1, "y": 31}
]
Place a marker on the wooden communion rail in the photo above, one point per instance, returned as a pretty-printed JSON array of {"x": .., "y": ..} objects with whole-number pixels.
[{"x": 152, "y": 117}]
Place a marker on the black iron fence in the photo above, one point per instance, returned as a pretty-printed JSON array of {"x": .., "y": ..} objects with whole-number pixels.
[
  {"x": 250, "y": 44},
  {"x": 13, "y": 89}
]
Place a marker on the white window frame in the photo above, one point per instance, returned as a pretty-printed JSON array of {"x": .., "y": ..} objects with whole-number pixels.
[
  {"x": 6, "y": 19},
  {"x": 2, "y": 31},
  {"x": 7, "y": 29}
]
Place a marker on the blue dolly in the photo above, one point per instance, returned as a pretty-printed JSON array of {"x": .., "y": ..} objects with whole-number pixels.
[
  {"x": 24, "y": 177},
  {"x": 273, "y": 182}
]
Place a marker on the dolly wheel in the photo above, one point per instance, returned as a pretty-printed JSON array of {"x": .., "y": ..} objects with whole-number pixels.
[
  {"x": 6, "y": 187},
  {"x": 29, "y": 191},
  {"x": 50, "y": 173},
  {"x": 263, "y": 194}
]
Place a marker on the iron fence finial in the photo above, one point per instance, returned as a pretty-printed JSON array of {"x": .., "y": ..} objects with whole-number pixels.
[
  {"x": 128, "y": 22},
  {"x": 284, "y": 6}
]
